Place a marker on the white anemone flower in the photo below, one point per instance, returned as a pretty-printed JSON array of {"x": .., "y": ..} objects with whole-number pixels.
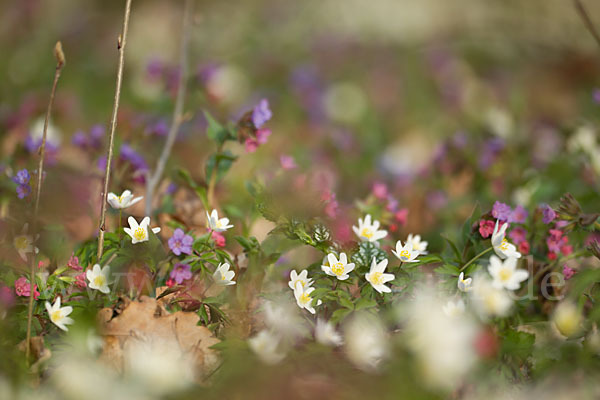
[
  {"x": 125, "y": 200},
  {"x": 441, "y": 337},
  {"x": 98, "y": 278},
  {"x": 454, "y": 308},
  {"x": 377, "y": 278},
  {"x": 216, "y": 224},
  {"x": 267, "y": 347},
  {"x": 502, "y": 247},
  {"x": 338, "y": 268},
  {"x": 59, "y": 315},
  {"x": 139, "y": 233},
  {"x": 283, "y": 318},
  {"x": 303, "y": 298},
  {"x": 366, "y": 341},
  {"x": 406, "y": 253},
  {"x": 326, "y": 334},
  {"x": 367, "y": 231},
  {"x": 301, "y": 277},
  {"x": 464, "y": 285},
  {"x": 488, "y": 300},
  {"x": 223, "y": 276},
  {"x": 24, "y": 243},
  {"x": 505, "y": 273},
  {"x": 417, "y": 244}
]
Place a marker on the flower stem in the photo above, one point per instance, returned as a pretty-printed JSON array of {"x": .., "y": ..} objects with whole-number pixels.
[
  {"x": 178, "y": 117},
  {"x": 472, "y": 260},
  {"x": 113, "y": 126},
  {"x": 60, "y": 62}
]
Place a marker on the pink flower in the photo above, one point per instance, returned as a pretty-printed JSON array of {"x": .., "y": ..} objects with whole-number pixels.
[
  {"x": 524, "y": 247},
  {"x": 380, "y": 190},
  {"x": 287, "y": 162},
  {"x": 218, "y": 238},
  {"x": 401, "y": 216},
  {"x": 73, "y": 263},
  {"x": 566, "y": 249},
  {"x": 551, "y": 256},
  {"x": 331, "y": 204},
  {"x": 170, "y": 282},
  {"x": 80, "y": 280},
  {"x": 251, "y": 145},
  {"x": 568, "y": 272},
  {"x": 23, "y": 288},
  {"x": 486, "y": 228},
  {"x": 518, "y": 235},
  {"x": 7, "y": 299},
  {"x": 262, "y": 135}
]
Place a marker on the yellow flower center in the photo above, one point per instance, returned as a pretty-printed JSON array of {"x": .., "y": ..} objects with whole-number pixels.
[
  {"x": 504, "y": 244},
  {"x": 121, "y": 199},
  {"x": 218, "y": 224},
  {"x": 21, "y": 242},
  {"x": 99, "y": 280},
  {"x": 405, "y": 254},
  {"x": 505, "y": 274},
  {"x": 377, "y": 278},
  {"x": 139, "y": 234},
  {"x": 366, "y": 232},
  {"x": 56, "y": 315},
  {"x": 338, "y": 269},
  {"x": 305, "y": 298},
  {"x": 222, "y": 276}
]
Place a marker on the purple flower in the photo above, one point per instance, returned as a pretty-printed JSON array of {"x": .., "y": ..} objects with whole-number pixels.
[
  {"x": 22, "y": 177},
  {"x": 548, "y": 213},
  {"x": 79, "y": 139},
  {"x": 502, "y": 212},
  {"x": 180, "y": 273},
  {"x": 596, "y": 96},
  {"x": 127, "y": 153},
  {"x": 159, "y": 128},
  {"x": 261, "y": 113},
  {"x": 519, "y": 215},
  {"x": 96, "y": 134},
  {"x": 181, "y": 243},
  {"x": 101, "y": 164},
  {"x": 489, "y": 152},
  {"x": 23, "y": 191},
  {"x": 518, "y": 235}
]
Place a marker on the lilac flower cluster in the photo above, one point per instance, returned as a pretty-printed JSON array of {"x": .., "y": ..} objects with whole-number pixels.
[
  {"x": 261, "y": 113},
  {"x": 180, "y": 273},
  {"x": 22, "y": 179},
  {"x": 33, "y": 146},
  {"x": 128, "y": 154},
  {"x": 505, "y": 213}
]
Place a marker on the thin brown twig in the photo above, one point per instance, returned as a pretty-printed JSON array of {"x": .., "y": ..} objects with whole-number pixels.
[
  {"x": 587, "y": 20},
  {"x": 113, "y": 126},
  {"x": 60, "y": 62},
  {"x": 154, "y": 178}
]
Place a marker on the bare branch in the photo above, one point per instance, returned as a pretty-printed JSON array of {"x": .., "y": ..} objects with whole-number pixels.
[{"x": 586, "y": 20}]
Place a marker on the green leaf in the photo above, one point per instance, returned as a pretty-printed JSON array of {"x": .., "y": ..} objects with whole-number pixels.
[
  {"x": 340, "y": 314},
  {"x": 219, "y": 163},
  {"x": 457, "y": 254},
  {"x": 518, "y": 344},
  {"x": 448, "y": 269},
  {"x": 215, "y": 131},
  {"x": 365, "y": 254},
  {"x": 345, "y": 302},
  {"x": 364, "y": 302}
]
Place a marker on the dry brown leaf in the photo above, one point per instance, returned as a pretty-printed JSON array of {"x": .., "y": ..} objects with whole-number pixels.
[{"x": 147, "y": 320}]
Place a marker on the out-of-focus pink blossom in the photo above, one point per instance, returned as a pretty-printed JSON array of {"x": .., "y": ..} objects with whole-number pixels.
[
  {"x": 170, "y": 282},
  {"x": 524, "y": 247},
  {"x": 80, "y": 280},
  {"x": 218, "y": 238},
  {"x": 287, "y": 162},
  {"x": 23, "y": 288},
  {"x": 486, "y": 228},
  {"x": 518, "y": 235},
  {"x": 73, "y": 263},
  {"x": 380, "y": 190},
  {"x": 7, "y": 298},
  {"x": 568, "y": 272},
  {"x": 331, "y": 203},
  {"x": 401, "y": 216}
]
